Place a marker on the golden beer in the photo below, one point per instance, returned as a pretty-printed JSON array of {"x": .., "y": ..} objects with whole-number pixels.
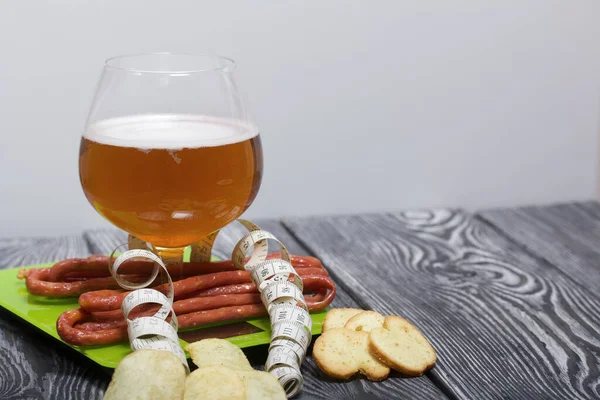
[{"x": 170, "y": 179}]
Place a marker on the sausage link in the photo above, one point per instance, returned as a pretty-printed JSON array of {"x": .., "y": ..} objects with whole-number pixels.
[
  {"x": 315, "y": 302},
  {"x": 247, "y": 287},
  {"x": 97, "y": 266},
  {"x": 92, "y": 263},
  {"x": 216, "y": 292},
  {"x": 103, "y": 300},
  {"x": 199, "y": 318},
  {"x": 65, "y": 326},
  {"x": 80, "y": 328},
  {"x": 38, "y": 284}
]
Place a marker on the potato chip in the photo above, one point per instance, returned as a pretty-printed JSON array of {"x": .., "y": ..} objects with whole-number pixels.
[
  {"x": 217, "y": 352},
  {"x": 147, "y": 375},
  {"x": 214, "y": 382},
  {"x": 261, "y": 385}
]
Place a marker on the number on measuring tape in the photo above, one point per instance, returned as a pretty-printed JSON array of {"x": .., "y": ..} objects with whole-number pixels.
[
  {"x": 275, "y": 270},
  {"x": 282, "y": 312},
  {"x": 291, "y": 331},
  {"x": 296, "y": 347},
  {"x": 273, "y": 290},
  {"x": 281, "y": 356}
]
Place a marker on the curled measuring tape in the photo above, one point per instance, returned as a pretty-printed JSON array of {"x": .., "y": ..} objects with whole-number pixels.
[
  {"x": 279, "y": 285},
  {"x": 157, "y": 332},
  {"x": 280, "y": 288},
  {"x": 275, "y": 271}
]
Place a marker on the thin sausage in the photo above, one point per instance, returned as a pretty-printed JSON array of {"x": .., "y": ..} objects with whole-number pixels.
[
  {"x": 114, "y": 318},
  {"x": 109, "y": 300},
  {"x": 106, "y": 300},
  {"x": 221, "y": 314},
  {"x": 219, "y": 293},
  {"x": 97, "y": 266},
  {"x": 65, "y": 326},
  {"x": 75, "y": 327},
  {"x": 247, "y": 287},
  {"x": 38, "y": 284},
  {"x": 92, "y": 263}
]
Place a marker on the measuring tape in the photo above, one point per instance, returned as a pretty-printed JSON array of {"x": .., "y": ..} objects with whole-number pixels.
[
  {"x": 280, "y": 289},
  {"x": 153, "y": 332},
  {"x": 275, "y": 270}
]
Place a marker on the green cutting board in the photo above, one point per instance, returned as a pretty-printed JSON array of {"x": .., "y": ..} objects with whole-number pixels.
[{"x": 42, "y": 312}]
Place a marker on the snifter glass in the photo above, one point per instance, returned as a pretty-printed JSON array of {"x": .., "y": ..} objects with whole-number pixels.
[{"x": 169, "y": 152}]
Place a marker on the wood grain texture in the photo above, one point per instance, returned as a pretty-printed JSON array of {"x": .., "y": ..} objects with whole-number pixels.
[
  {"x": 28, "y": 251},
  {"x": 317, "y": 385},
  {"x": 505, "y": 324},
  {"x": 566, "y": 235},
  {"x": 33, "y": 365}
]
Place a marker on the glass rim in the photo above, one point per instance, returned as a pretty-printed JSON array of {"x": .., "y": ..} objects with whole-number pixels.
[{"x": 226, "y": 64}]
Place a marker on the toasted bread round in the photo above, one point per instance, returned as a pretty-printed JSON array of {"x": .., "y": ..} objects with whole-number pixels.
[
  {"x": 400, "y": 345},
  {"x": 214, "y": 382},
  {"x": 365, "y": 321},
  {"x": 341, "y": 353},
  {"x": 261, "y": 385},
  {"x": 337, "y": 317},
  {"x": 217, "y": 352},
  {"x": 147, "y": 374}
]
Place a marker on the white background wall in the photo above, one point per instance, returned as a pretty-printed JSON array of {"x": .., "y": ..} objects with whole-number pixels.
[{"x": 363, "y": 105}]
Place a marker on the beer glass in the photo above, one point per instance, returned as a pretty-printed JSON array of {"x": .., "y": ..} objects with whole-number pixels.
[{"x": 169, "y": 152}]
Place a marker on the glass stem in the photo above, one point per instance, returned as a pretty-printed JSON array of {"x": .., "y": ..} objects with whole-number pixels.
[{"x": 173, "y": 259}]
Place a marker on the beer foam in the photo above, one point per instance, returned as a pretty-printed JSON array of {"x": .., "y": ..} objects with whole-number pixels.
[{"x": 169, "y": 131}]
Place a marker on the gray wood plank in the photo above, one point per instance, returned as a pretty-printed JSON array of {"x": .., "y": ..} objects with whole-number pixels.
[
  {"x": 29, "y": 251},
  {"x": 317, "y": 386},
  {"x": 35, "y": 366},
  {"x": 505, "y": 324},
  {"x": 566, "y": 235}
]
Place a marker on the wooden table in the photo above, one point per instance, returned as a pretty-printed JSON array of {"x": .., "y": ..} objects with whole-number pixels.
[{"x": 509, "y": 298}]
